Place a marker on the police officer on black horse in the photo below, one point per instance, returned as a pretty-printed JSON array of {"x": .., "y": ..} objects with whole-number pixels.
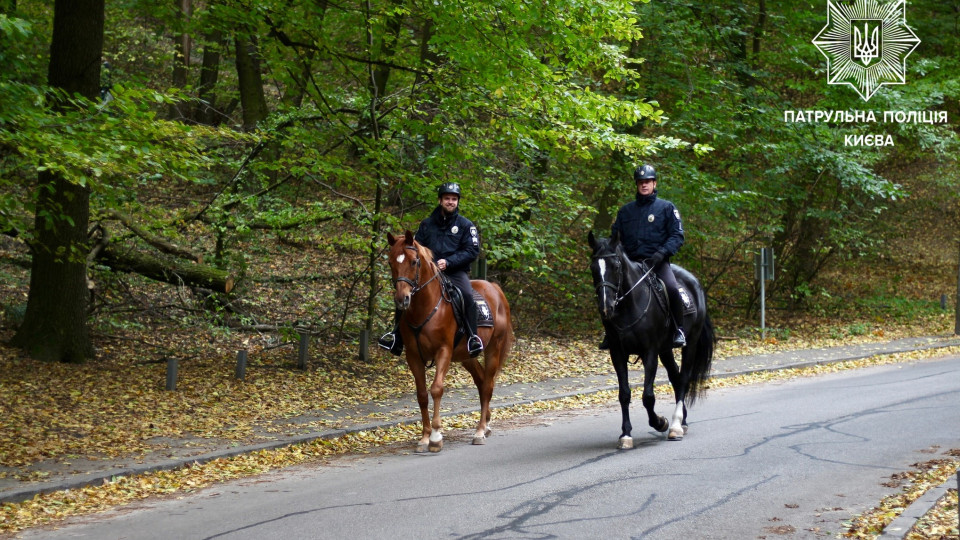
[
  {"x": 455, "y": 243},
  {"x": 650, "y": 230}
]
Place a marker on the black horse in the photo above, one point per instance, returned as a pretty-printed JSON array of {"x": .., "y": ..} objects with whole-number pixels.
[{"x": 638, "y": 321}]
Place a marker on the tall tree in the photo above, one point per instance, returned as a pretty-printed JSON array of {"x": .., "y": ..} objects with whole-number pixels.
[{"x": 54, "y": 326}]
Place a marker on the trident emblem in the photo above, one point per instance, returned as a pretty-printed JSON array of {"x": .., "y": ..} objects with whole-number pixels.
[{"x": 866, "y": 45}]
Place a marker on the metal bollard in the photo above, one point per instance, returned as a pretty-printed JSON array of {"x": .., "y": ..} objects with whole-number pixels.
[
  {"x": 171, "y": 374},
  {"x": 364, "y": 345},
  {"x": 943, "y": 301},
  {"x": 241, "y": 364}
]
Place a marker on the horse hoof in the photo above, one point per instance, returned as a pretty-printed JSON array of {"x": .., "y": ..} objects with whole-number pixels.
[
  {"x": 625, "y": 443},
  {"x": 675, "y": 434},
  {"x": 479, "y": 440},
  {"x": 435, "y": 446},
  {"x": 421, "y": 448},
  {"x": 663, "y": 425},
  {"x": 487, "y": 432}
]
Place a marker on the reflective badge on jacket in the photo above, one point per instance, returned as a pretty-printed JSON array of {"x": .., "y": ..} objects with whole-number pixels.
[{"x": 474, "y": 237}]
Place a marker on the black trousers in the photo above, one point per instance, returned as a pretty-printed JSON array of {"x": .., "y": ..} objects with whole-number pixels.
[
  {"x": 665, "y": 273},
  {"x": 462, "y": 281}
]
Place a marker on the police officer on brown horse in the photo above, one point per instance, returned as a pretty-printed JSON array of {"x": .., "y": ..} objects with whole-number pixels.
[
  {"x": 455, "y": 243},
  {"x": 650, "y": 230}
]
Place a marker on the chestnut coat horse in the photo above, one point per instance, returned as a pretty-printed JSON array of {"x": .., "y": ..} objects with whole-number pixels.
[{"x": 428, "y": 328}]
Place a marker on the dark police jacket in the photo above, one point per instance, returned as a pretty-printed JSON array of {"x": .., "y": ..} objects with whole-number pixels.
[
  {"x": 452, "y": 237},
  {"x": 648, "y": 225}
]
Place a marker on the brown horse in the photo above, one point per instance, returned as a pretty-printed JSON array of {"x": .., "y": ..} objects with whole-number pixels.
[{"x": 428, "y": 328}]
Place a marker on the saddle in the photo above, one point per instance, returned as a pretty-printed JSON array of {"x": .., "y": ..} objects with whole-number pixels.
[
  {"x": 484, "y": 315},
  {"x": 663, "y": 299}
]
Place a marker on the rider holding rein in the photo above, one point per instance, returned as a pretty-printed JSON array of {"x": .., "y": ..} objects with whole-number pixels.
[
  {"x": 455, "y": 244},
  {"x": 650, "y": 229}
]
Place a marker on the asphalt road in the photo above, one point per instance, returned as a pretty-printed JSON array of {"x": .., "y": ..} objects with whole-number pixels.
[{"x": 779, "y": 460}]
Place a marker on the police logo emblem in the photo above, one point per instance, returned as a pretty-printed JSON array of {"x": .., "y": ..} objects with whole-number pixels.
[
  {"x": 455, "y": 229},
  {"x": 474, "y": 236},
  {"x": 650, "y": 218}
]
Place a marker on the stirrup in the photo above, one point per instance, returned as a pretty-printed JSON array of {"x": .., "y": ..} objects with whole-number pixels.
[
  {"x": 680, "y": 340},
  {"x": 474, "y": 345},
  {"x": 390, "y": 342}
]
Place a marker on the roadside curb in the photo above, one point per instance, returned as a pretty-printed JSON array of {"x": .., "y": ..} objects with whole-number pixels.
[{"x": 900, "y": 527}]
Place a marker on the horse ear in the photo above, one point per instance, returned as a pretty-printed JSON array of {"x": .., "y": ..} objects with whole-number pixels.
[
  {"x": 615, "y": 237},
  {"x": 408, "y": 237},
  {"x": 391, "y": 239},
  {"x": 592, "y": 240}
]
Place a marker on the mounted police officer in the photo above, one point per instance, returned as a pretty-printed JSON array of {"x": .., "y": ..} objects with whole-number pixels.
[
  {"x": 650, "y": 229},
  {"x": 455, "y": 243}
]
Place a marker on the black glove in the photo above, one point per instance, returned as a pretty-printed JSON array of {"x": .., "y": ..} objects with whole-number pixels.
[{"x": 656, "y": 259}]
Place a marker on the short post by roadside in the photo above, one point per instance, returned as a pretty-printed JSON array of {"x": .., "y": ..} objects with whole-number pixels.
[{"x": 763, "y": 271}]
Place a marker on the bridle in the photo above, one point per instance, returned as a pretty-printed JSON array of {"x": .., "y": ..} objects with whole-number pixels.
[
  {"x": 616, "y": 288},
  {"x": 415, "y": 282}
]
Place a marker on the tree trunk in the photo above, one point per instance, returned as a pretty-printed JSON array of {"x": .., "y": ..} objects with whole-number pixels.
[
  {"x": 54, "y": 326},
  {"x": 252, "y": 100},
  {"x": 206, "y": 112},
  {"x": 173, "y": 272},
  {"x": 181, "y": 61}
]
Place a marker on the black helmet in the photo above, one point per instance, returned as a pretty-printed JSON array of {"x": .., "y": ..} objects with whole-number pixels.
[
  {"x": 448, "y": 187},
  {"x": 646, "y": 172}
]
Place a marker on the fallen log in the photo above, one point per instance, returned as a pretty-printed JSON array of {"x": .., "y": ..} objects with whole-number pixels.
[{"x": 177, "y": 272}]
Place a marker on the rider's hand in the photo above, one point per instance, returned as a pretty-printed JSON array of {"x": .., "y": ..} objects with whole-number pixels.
[
  {"x": 656, "y": 259},
  {"x": 442, "y": 264}
]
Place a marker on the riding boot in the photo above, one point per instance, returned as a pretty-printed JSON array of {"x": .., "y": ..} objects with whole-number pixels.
[
  {"x": 392, "y": 341},
  {"x": 679, "y": 338},
  {"x": 474, "y": 343}
]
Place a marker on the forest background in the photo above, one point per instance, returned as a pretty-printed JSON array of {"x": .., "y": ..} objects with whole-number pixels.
[{"x": 178, "y": 179}]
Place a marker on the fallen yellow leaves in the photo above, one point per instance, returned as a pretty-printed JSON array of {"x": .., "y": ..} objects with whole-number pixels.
[{"x": 927, "y": 475}]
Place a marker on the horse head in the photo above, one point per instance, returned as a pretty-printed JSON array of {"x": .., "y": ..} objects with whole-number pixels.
[
  {"x": 405, "y": 265},
  {"x": 607, "y": 267}
]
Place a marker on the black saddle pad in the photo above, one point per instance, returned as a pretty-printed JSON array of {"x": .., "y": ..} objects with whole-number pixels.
[
  {"x": 484, "y": 314},
  {"x": 689, "y": 308}
]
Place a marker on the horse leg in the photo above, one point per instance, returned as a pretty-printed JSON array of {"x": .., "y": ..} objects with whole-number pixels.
[
  {"x": 420, "y": 379},
  {"x": 620, "y": 366},
  {"x": 657, "y": 422},
  {"x": 677, "y": 421},
  {"x": 436, "y": 391},
  {"x": 473, "y": 366}
]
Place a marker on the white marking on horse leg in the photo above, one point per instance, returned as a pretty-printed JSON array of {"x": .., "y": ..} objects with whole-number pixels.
[
  {"x": 625, "y": 443},
  {"x": 676, "y": 423},
  {"x": 436, "y": 436}
]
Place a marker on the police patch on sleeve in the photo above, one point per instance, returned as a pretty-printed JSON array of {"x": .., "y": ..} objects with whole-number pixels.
[
  {"x": 474, "y": 237},
  {"x": 676, "y": 214}
]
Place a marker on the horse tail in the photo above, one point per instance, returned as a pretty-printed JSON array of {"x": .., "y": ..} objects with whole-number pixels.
[{"x": 702, "y": 360}]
